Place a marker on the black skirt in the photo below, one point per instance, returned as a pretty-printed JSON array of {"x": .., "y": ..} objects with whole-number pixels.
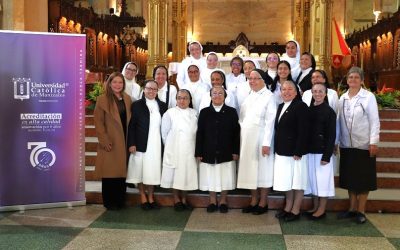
[{"x": 357, "y": 170}]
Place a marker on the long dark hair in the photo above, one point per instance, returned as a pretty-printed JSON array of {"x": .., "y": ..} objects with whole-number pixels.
[
  {"x": 275, "y": 82},
  {"x": 108, "y": 91},
  {"x": 237, "y": 58}
]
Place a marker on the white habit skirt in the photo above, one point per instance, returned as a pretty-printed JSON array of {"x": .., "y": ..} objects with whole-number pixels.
[
  {"x": 321, "y": 178},
  {"x": 146, "y": 167},
  {"x": 217, "y": 177},
  {"x": 290, "y": 174}
]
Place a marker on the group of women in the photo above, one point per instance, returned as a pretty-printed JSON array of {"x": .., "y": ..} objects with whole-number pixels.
[{"x": 251, "y": 129}]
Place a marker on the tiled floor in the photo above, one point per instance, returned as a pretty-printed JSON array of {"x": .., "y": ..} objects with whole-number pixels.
[{"x": 92, "y": 227}]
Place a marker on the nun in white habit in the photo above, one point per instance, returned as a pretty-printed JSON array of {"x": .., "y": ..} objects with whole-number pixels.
[
  {"x": 256, "y": 165},
  {"x": 218, "y": 79},
  {"x": 178, "y": 130},
  {"x": 243, "y": 88},
  {"x": 212, "y": 63},
  {"x": 196, "y": 57},
  {"x": 132, "y": 88},
  {"x": 292, "y": 56},
  {"x": 195, "y": 85}
]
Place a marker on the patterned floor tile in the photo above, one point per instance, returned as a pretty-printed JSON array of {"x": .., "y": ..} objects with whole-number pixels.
[
  {"x": 395, "y": 242},
  {"x": 230, "y": 241},
  {"x": 56, "y": 217},
  {"x": 101, "y": 238},
  {"x": 31, "y": 237},
  {"x": 234, "y": 222},
  {"x": 136, "y": 218},
  {"x": 329, "y": 226},
  {"x": 388, "y": 224},
  {"x": 296, "y": 242}
]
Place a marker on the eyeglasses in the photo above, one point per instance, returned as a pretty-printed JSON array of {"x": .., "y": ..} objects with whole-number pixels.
[
  {"x": 184, "y": 98},
  {"x": 272, "y": 59},
  {"x": 151, "y": 89},
  {"x": 255, "y": 78},
  {"x": 217, "y": 94},
  {"x": 318, "y": 91},
  {"x": 133, "y": 70},
  {"x": 236, "y": 64}
]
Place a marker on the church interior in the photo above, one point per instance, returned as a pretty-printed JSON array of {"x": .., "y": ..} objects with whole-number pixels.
[{"x": 157, "y": 32}]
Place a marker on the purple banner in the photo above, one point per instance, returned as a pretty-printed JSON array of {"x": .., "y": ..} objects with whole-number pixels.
[{"x": 42, "y": 114}]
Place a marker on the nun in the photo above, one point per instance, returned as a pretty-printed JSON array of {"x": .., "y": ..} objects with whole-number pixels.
[
  {"x": 290, "y": 145},
  {"x": 178, "y": 131},
  {"x": 322, "y": 135},
  {"x": 130, "y": 71},
  {"x": 218, "y": 79},
  {"x": 212, "y": 63},
  {"x": 196, "y": 86},
  {"x": 293, "y": 57},
  {"x": 195, "y": 57},
  {"x": 307, "y": 66},
  {"x": 243, "y": 88},
  {"x": 256, "y": 166},
  {"x": 217, "y": 149},
  {"x": 166, "y": 91},
  {"x": 144, "y": 144}
]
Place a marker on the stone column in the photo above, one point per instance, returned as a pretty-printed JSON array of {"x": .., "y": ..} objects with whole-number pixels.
[
  {"x": 157, "y": 35},
  {"x": 302, "y": 24},
  {"x": 179, "y": 30},
  {"x": 321, "y": 23}
]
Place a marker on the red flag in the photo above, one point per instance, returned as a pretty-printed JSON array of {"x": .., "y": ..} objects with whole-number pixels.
[{"x": 339, "y": 46}]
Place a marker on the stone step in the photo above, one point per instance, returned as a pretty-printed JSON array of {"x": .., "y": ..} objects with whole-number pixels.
[
  {"x": 89, "y": 120},
  {"x": 389, "y": 136},
  {"x": 389, "y": 149},
  {"x": 381, "y": 200},
  {"x": 389, "y": 114},
  {"x": 90, "y": 131},
  {"x": 390, "y": 124},
  {"x": 388, "y": 165}
]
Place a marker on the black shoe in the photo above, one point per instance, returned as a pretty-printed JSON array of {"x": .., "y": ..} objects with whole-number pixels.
[
  {"x": 154, "y": 205},
  {"x": 111, "y": 208},
  {"x": 179, "y": 206},
  {"x": 212, "y": 208},
  {"x": 292, "y": 217},
  {"x": 187, "y": 206},
  {"x": 249, "y": 209},
  {"x": 223, "y": 208},
  {"x": 260, "y": 210},
  {"x": 346, "y": 215},
  {"x": 281, "y": 214},
  {"x": 360, "y": 218},
  {"x": 312, "y": 217},
  {"x": 145, "y": 206},
  {"x": 308, "y": 213}
]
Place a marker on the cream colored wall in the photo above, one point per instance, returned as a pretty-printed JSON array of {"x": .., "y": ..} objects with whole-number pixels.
[
  {"x": 25, "y": 15},
  {"x": 222, "y": 20}
]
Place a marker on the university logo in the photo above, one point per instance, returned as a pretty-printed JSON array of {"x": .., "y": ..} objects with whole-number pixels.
[
  {"x": 42, "y": 157},
  {"x": 21, "y": 88}
]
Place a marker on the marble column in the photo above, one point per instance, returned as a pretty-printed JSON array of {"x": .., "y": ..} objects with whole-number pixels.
[
  {"x": 157, "y": 35},
  {"x": 321, "y": 23},
  {"x": 179, "y": 30}
]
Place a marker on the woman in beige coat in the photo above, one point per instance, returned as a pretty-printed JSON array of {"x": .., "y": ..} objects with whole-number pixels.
[{"x": 111, "y": 118}]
